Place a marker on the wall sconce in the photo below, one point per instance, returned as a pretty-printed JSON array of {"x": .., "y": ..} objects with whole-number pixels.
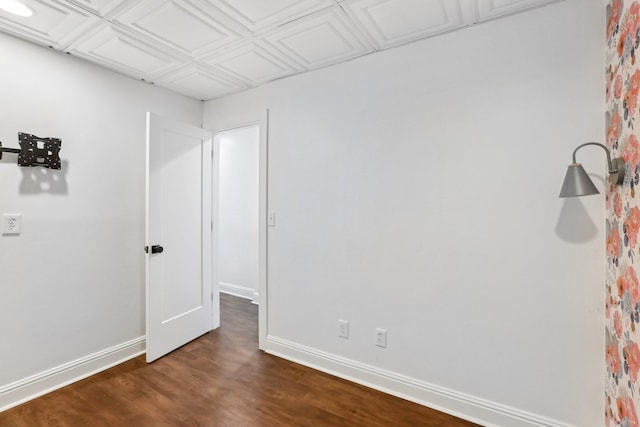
[{"x": 577, "y": 182}]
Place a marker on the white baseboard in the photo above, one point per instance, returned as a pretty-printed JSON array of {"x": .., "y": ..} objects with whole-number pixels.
[
  {"x": 461, "y": 405},
  {"x": 238, "y": 291},
  {"x": 21, "y": 391},
  {"x": 471, "y": 408}
]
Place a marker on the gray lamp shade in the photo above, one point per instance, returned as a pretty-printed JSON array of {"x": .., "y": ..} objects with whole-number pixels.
[{"x": 577, "y": 182}]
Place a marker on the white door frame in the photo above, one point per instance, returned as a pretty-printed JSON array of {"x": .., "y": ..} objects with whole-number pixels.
[{"x": 260, "y": 119}]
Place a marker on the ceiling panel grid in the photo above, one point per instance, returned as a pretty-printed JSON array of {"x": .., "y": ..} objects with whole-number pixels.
[
  {"x": 490, "y": 9},
  {"x": 389, "y": 23},
  {"x": 253, "y": 63},
  {"x": 116, "y": 48},
  {"x": 210, "y": 48},
  {"x": 260, "y": 15},
  {"x": 200, "y": 83},
  {"x": 320, "y": 39},
  {"x": 193, "y": 27},
  {"x": 54, "y": 23}
]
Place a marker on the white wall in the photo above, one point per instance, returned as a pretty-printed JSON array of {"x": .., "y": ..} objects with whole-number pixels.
[
  {"x": 416, "y": 190},
  {"x": 72, "y": 284},
  {"x": 238, "y": 211}
]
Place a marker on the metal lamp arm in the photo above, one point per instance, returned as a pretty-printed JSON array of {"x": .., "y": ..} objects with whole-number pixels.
[
  {"x": 8, "y": 150},
  {"x": 612, "y": 169},
  {"x": 616, "y": 166}
]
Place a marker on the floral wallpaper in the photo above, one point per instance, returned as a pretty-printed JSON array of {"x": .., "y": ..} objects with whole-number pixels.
[{"x": 622, "y": 330}]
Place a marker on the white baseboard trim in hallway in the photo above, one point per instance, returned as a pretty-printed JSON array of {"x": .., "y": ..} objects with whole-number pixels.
[
  {"x": 458, "y": 404},
  {"x": 23, "y": 390},
  {"x": 239, "y": 291}
]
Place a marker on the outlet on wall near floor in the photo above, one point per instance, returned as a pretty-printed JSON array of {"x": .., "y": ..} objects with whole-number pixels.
[
  {"x": 11, "y": 223},
  {"x": 343, "y": 328},
  {"x": 381, "y": 337}
]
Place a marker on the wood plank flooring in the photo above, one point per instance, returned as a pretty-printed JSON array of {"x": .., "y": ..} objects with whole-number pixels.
[{"x": 220, "y": 379}]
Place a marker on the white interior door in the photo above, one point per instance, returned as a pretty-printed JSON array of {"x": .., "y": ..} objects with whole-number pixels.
[{"x": 178, "y": 237}]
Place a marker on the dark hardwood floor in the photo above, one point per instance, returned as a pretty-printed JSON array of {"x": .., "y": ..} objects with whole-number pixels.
[{"x": 220, "y": 379}]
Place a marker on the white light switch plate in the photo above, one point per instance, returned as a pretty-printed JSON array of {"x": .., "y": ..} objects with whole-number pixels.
[
  {"x": 11, "y": 223},
  {"x": 271, "y": 218}
]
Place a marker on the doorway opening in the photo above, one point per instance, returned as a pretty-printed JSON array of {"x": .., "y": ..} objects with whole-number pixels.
[
  {"x": 237, "y": 234},
  {"x": 240, "y": 212}
]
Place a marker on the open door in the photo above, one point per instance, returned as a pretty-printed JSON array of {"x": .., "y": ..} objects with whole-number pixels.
[{"x": 178, "y": 234}]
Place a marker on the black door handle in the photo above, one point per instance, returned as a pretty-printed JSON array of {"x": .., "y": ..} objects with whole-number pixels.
[{"x": 155, "y": 249}]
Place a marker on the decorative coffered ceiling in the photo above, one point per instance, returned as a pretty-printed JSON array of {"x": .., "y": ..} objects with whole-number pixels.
[{"x": 206, "y": 49}]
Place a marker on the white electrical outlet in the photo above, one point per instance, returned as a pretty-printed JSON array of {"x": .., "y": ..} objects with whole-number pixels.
[
  {"x": 343, "y": 328},
  {"x": 11, "y": 223},
  {"x": 381, "y": 337}
]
